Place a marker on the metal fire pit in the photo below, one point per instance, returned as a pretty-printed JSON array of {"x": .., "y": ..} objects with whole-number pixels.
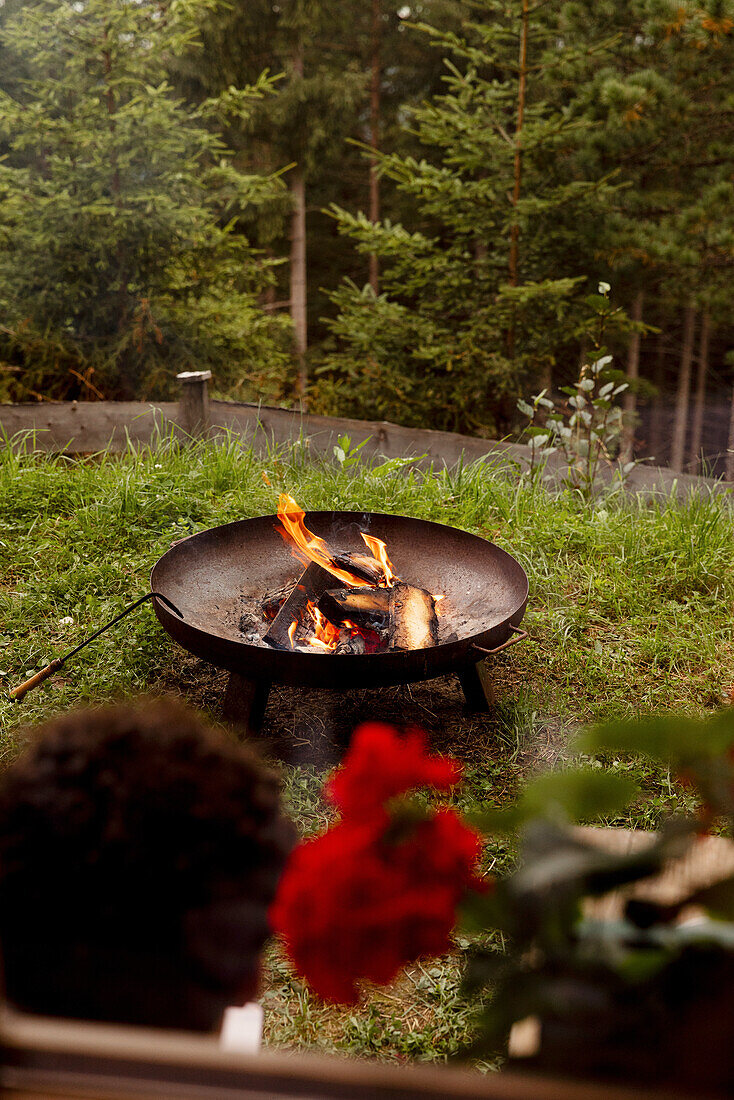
[{"x": 205, "y": 575}]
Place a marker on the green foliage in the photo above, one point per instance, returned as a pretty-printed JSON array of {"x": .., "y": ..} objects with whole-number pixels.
[
  {"x": 483, "y": 291},
  {"x": 569, "y": 795},
  {"x": 319, "y": 48},
  {"x": 625, "y": 160},
  {"x": 629, "y": 612},
  {"x": 118, "y": 260},
  {"x": 622, "y": 170},
  {"x": 684, "y": 742},
  {"x": 586, "y": 427},
  {"x": 702, "y": 753},
  {"x": 622, "y": 995},
  {"x": 670, "y": 131},
  {"x": 318, "y": 114}
]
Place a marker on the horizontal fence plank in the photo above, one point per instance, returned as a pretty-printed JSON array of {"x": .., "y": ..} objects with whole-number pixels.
[
  {"x": 380, "y": 437},
  {"x": 86, "y": 427},
  {"x": 47, "y": 1057}
]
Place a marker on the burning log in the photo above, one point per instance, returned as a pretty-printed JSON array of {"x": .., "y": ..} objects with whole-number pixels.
[
  {"x": 403, "y": 616},
  {"x": 361, "y": 565},
  {"x": 357, "y": 605},
  {"x": 348, "y": 567},
  {"x": 311, "y": 585},
  {"x": 413, "y": 621},
  {"x": 356, "y": 617}
]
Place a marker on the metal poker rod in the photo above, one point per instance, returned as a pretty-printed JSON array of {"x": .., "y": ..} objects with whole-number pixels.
[{"x": 38, "y": 678}]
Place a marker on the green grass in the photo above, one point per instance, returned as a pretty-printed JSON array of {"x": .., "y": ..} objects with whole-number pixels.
[{"x": 630, "y": 611}]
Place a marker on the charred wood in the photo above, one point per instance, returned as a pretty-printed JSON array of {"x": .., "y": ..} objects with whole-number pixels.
[
  {"x": 312, "y": 584},
  {"x": 351, "y": 643},
  {"x": 273, "y": 600},
  {"x": 361, "y": 565},
  {"x": 362, "y": 606}
]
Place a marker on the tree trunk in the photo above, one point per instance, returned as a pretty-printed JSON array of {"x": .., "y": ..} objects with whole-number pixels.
[
  {"x": 517, "y": 170},
  {"x": 374, "y": 204},
  {"x": 656, "y": 415},
  {"x": 678, "y": 443},
  {"x": 298, "y": 257},
  {"x": 521, "y": 87},
  {"x": 298, "y": 276},
  {"x": 116, "y": 188},
  {"x": 730, "y": 445},
  {"x": 267, "y": 295},
  {"x": 696, "y": 462},
  {"x": 627, "y": 450}
]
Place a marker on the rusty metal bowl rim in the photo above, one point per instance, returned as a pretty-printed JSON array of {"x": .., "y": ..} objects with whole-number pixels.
[{"x": 338, "y": 670}]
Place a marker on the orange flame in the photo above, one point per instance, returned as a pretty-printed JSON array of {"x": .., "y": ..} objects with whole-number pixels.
[
  {"x": 326, "y": 635},
  {"x": 309, "y": 547},
  {"x": 379, "y": 551},
  {"x": 306, "y": 545}
]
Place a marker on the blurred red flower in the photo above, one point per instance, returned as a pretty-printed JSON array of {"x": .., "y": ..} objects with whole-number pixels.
[
  {"x": 381, "y": 764},
  {"x": 376, "y": 891}
]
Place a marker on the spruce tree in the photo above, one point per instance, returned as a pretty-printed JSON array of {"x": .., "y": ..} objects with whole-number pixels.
[
  {"x": 696, "y": 230},
  {"x": 302, "y": 130},
  {"x": 478, "y": 291},
  {"x": 118, "y": 261},
  {"x": 313, "y": 126},
  {"x": 661, "y": 101}
]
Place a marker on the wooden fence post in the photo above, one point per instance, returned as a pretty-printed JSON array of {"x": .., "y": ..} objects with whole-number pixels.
[{"x": 194, "y": 402}]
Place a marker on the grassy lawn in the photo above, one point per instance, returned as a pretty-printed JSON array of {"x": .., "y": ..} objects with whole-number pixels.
[{"x": 630, "y": 611}]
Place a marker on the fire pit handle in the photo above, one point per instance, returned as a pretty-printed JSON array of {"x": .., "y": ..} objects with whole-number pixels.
[
  {"x": 519, "y": 636},
  {"x": 18, "y": 692}
]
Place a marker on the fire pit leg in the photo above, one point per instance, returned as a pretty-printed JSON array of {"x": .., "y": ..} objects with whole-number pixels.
[
  {"x": 245, "y": 701},
  {"x": 478, "y": 687}
]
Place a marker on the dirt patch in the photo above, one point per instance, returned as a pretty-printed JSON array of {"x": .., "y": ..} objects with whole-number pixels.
[{"x": 313, "y": 726}]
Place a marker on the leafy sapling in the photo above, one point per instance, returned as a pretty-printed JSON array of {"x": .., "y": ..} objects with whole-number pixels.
[{"x": 586, "y": 426}]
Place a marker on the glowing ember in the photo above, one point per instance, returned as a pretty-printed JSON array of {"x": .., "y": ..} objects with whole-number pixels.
[
  {"x": 326, "y": 635},
  {"x": 379, "y": 551},
  {"x": 372, "y": 640}
]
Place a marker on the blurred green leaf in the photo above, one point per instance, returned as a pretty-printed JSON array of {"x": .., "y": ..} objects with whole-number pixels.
[
  {"x": 579, "y": 794},
  {"x": 665, "y": 737}
]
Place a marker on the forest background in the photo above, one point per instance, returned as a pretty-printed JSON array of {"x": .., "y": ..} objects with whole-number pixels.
[{"x": 414, "y": 211}]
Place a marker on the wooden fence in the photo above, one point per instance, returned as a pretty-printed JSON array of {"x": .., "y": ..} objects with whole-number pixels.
[
  {"x": 86, "y": 427},
  {"x": 44, "y": 1058}
]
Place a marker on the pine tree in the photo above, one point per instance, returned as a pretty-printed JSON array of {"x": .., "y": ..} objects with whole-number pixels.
[
  {"x": 630, "y": 102},
  {"x": 314, "y": 124},
  {"x": 697, "y": 230},
  {"x": 662, "y": 98},
  {"x": 302, "y": 129},
  {"x": 118, "y": 264},
  {"x": 477, "y": 292}
]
